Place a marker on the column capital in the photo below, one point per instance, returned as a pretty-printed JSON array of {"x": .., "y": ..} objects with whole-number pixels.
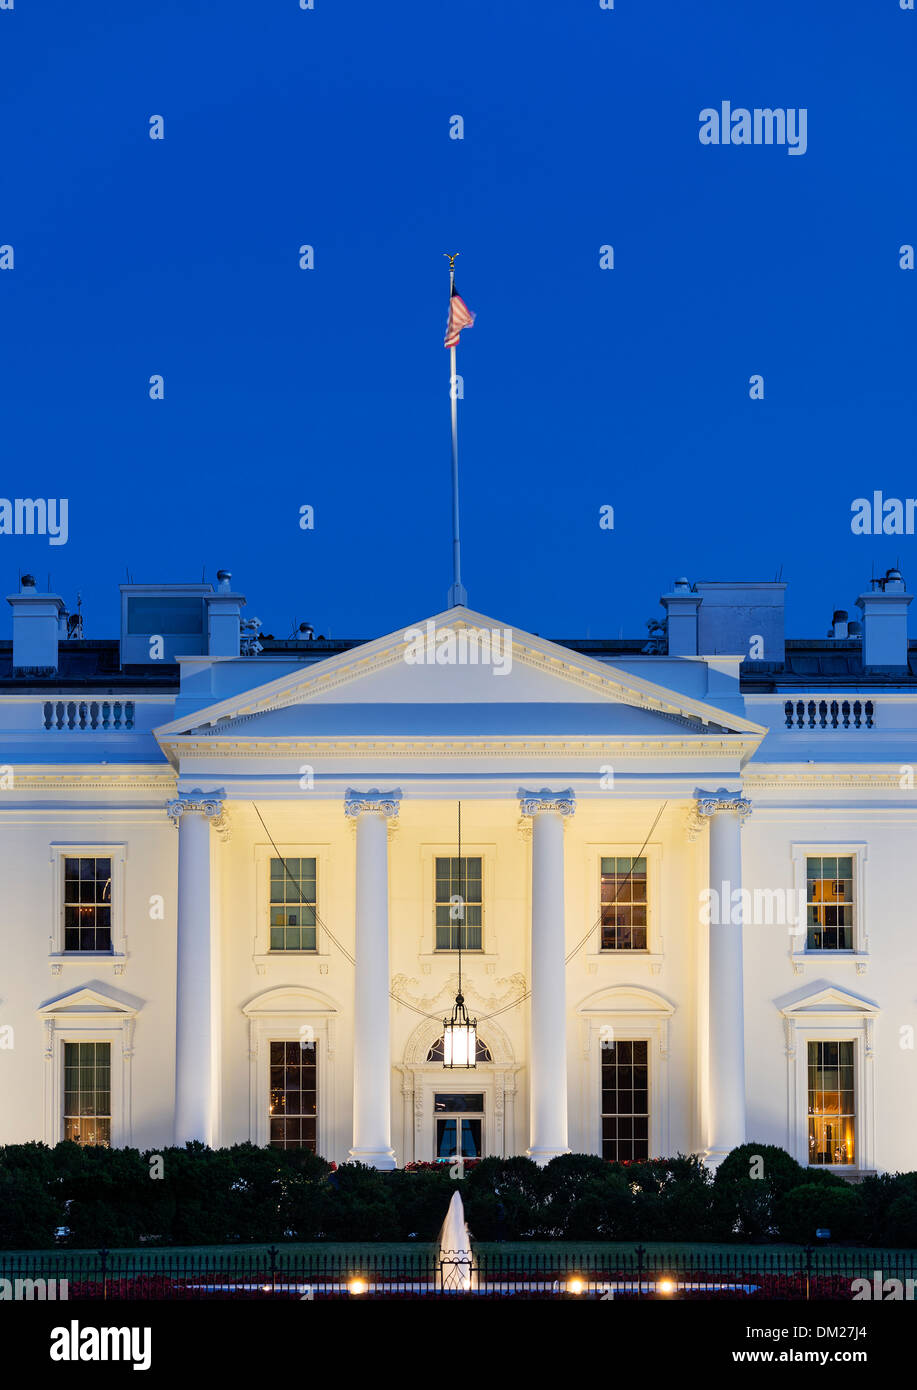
[
  {"x": 373, "y": 802},
  {"x": 209, "y": 804},
  {"x": 533, "y": 803},
  {"x": 708, "y": 803}
]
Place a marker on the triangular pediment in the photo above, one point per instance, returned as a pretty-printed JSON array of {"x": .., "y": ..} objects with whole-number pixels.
[
  {"x": 826, "y": 1001},
  {"x": 88, "y": 1001},
  {"x": 513, "y": 683}
]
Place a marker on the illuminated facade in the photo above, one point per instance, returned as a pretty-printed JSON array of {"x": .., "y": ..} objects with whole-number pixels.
[{"x": 234, "y": 900}]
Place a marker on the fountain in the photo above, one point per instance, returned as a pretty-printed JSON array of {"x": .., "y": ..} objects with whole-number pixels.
[{"x": 454, "y": 1250}]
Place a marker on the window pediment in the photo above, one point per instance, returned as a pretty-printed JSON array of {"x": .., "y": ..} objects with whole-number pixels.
[
  {"x": 88, "y": 1001},
  {"x": 828, "y": 1001}
]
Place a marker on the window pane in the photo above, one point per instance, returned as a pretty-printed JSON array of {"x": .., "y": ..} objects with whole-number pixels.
[
  {"x": 292, "y": 1099},
  {"x": 459, "y": 923},
  {"x": 623, "y": 895},
  {"x": 292, "y": 905},
  {"x": 625, "y": 1103},
  {"x": 831, "y": 1103},
  {"x": 87, "y": 1093}
]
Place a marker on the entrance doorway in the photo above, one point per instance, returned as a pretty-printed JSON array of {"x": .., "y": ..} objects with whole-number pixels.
[{"x": 459, "y": 1120}]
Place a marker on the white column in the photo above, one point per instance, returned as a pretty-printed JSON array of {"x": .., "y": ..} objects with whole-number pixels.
[
  {"x": 372, "y": 1063},
  {"x": 548, "y": 1010},
  {"x": 195, "y": 1063},
  {"x": 726, "y": 812}
]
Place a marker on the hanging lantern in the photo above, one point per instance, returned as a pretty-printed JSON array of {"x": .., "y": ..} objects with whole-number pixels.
[{"x": 460, "y": 1042}]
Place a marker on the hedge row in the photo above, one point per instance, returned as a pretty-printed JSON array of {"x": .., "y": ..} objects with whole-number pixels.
[{"x": 112, "y": 1197}]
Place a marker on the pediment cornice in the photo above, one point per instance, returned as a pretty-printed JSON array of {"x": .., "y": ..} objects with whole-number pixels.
[{"x": 237, "y": 716}]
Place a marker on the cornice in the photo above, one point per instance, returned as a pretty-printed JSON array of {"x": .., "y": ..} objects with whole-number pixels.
[
  {"x": 728, "y": 747},
  {"x": 602, "y": 679}
]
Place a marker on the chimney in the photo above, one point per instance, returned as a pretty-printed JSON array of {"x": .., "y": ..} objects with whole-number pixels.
[
  {"x": 681, "y": 607},
  {"x": 839, "y": 623},
  {"x": 741, "y": 618},
  {"x": 224, "y": 617},
  {"x": 884, "y": 611},
  {"x": 36, "y": 622}
]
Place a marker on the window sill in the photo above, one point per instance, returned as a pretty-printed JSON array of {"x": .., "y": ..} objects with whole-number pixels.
[
  {"x": 653, "y": 958},
  {"x": 87, "y": 955},
  {"x": 260, "y": 957},
  {"x": 859, "y": 958},
  {"x": 58, "y": 959},
  {"x": 843, "y": 1170}
]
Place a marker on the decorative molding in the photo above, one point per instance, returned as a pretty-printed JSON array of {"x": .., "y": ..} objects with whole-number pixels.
[
  {"x": 319, "y": 679},
  {"x": 729, "y": 747},
  {"x": 534, "y": 803},
  {"x": 694, "y": 821},
  {"x": 709, "y": 803},
  {"x": 209, "y": 804},
  {"x": 516, "y": 988},
  {"x": 373, "y": 802}
]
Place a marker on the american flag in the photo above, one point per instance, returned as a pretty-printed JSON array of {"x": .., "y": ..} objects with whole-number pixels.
[{"x": 460, "y": 316}]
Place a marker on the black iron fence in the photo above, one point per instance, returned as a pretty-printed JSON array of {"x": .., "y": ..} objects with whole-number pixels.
[{"x": 822, "y": 1273}]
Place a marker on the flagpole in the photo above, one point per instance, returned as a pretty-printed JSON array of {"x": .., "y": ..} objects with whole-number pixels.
[{"x": 457, "y": 594}]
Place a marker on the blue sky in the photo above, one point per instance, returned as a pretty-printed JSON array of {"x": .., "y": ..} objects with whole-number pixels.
[{"x": 329, "y": 387}]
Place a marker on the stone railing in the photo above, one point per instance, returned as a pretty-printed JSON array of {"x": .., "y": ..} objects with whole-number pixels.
[
  {"x": 89, "y": 714},
  {"x": 829, "y": 714}
]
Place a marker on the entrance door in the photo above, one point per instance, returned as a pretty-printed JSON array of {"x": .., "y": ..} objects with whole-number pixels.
[{"x": 459, "y": 1125}]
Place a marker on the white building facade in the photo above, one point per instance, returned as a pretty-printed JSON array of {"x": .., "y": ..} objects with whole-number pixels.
[{"x": 230, "y": 870}]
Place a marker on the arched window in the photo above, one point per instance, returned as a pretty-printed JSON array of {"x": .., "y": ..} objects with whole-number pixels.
[{"x": 482, "y": 1052}]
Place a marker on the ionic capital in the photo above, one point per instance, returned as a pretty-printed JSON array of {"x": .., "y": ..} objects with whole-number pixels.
[
  {"x": 533, "y": 803},
  {"x": 708, "y": 803},
  {"x": 373, "y": 802},
  {"x": 209, "y": 804}
]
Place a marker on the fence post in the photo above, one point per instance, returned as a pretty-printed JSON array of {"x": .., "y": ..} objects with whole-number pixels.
[
  {"x": 640, "y": 1252},
  {"x": 103, "y": 1256},
  {"x": 808, "y": 1269},
  {"x": 272, "y": 1256}
]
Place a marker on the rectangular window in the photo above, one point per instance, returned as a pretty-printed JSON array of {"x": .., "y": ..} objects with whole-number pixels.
[
  {"x": 459, "y": 903},
  {"x": 829, "y": 902},
  {"x": 293, "y": 900},
  {"x": 87, "y": 904},
  {"x": 459, "y": 1131},
  {"x": 832, "y": 1107},
  {"x": 624, "y": 904},
  {"x": 625, "y": 1100},
  {"x": 87, "y": 1093},
  {"x": 293, "y": 1095}
]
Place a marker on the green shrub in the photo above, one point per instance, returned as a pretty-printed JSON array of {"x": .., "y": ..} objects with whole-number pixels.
[
  {"x": 358, "y": 1205},
  {"x": 745, "y": 1205},
  {"x": 672, "y": 1198},
  {"x": 503, "y": 1196},
  {"x": 108, "y": 1191},
  {"x": 302, "y": 1194},
  {"x": 888, "y": 1201},
  {"x": 805, "y": 1209},
  {"x": 420, "y": 1199},
  {"x": 29, "y": 1214}
]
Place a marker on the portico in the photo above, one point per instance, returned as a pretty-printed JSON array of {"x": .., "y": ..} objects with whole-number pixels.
[{"x": 352, "y": 777}]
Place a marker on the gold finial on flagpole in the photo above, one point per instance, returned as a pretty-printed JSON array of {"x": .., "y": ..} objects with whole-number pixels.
[{"x": 451, "y": 259}]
